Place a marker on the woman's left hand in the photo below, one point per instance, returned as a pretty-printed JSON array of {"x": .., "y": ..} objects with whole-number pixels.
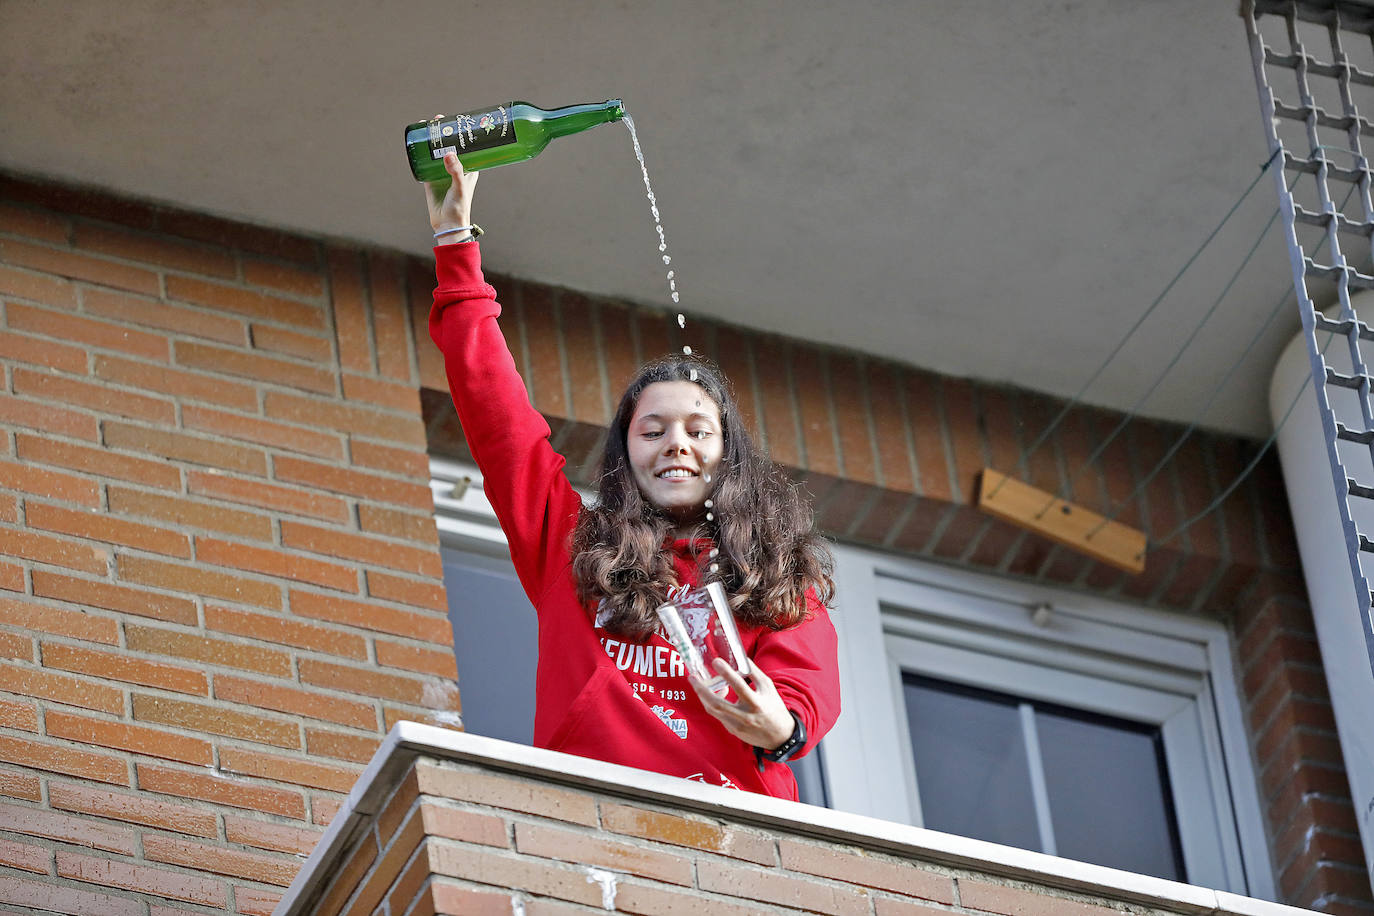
[{"x": 758, "y": 716}]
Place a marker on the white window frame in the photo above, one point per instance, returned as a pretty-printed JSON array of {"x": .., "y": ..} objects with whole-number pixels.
[{"x": 897, "y": 614}]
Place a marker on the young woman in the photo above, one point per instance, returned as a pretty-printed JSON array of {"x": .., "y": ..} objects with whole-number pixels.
[{"x": 682, "y": 490}]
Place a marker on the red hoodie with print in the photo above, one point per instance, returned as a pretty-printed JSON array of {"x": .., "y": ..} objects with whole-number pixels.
[{"x": 600, "y": 695}]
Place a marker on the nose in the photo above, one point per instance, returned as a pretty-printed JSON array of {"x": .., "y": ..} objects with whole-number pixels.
[{"x": 675, "y": 442}]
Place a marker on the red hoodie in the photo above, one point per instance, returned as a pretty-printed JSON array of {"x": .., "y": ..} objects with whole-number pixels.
[{"x": 600, "y": 695}]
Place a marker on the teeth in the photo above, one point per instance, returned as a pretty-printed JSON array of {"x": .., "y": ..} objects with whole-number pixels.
[{"x": 677, "y": 472}]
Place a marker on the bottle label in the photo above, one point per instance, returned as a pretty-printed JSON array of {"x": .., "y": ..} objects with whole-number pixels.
[{"x": 472, "y": 131}]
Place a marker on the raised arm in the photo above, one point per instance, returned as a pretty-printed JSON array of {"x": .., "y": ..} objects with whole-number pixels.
[{"x": 522, "y": 474}]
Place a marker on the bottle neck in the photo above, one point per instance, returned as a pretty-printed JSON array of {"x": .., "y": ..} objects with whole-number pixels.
[{"x": 573, "y": 118}]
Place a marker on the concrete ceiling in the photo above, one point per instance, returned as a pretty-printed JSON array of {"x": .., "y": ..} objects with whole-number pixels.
[{"x": 983, "y": 188}]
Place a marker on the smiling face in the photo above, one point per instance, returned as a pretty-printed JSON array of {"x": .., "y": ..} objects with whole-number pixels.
[{"x": 674, "y": 443}]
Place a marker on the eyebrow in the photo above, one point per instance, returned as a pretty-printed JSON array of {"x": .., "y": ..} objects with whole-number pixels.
[{"x": 694, "y": 415}]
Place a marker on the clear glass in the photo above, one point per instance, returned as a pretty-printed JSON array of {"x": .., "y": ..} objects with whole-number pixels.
[
  {"x": 971, "y": 765},
  {"x": 1109, "y": 793},
  {"x": 701, "y": 627}
]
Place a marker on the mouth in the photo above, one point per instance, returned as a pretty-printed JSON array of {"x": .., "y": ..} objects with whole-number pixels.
[{"x": 676, "y": 474}]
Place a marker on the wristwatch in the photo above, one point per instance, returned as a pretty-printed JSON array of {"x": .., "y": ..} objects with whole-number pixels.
[{"x": 789, "y": 747}]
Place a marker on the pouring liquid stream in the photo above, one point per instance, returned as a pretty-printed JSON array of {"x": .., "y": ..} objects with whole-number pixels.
[{"x": 672, "y": 290}]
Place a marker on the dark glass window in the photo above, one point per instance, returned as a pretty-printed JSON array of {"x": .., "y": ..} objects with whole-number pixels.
[{"x": 1044, "y": 777}]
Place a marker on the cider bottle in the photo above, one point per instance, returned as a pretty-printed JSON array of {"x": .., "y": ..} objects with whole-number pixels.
[{"x": 500, "y": 135}]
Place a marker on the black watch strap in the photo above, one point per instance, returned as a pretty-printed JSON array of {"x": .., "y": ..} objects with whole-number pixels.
[{"x": 789, "y": 747}]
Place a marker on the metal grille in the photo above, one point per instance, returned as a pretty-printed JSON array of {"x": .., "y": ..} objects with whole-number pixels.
[{"x": 1309, "y": 87}]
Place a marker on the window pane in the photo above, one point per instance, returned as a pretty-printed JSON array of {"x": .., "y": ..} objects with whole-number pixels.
[
  {"x": 971, "y": 768},
  {"x": 1108, "y": 792},
  {"x": 495, "y": 637}
]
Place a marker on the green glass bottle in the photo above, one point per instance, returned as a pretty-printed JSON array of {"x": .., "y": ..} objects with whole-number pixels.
[{"x": 489, "y": 137}]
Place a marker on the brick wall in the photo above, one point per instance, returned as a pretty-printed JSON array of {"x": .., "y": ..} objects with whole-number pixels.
[
  {"x": 457, "y": 827},
  {"x": 219, "y": 576}
]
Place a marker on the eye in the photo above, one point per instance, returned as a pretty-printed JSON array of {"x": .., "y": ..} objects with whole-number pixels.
[{"x": 700, "y": 434}]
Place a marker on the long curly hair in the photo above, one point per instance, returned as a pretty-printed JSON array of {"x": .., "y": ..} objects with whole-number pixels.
[{"x": 769, "y": 553}]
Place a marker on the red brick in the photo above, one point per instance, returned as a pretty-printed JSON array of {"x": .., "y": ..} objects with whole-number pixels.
[
  {"x": 268, "y": 628},
  {"x": 405, "y": 889},
  {"x": 157, "y": 881},
  {"x": 341, "y": 746},
  {"x": 537, "y": 307},
  {"x": 25, "y": 857},
  {"x": 32, "y": 615},
  {"x": 103, "y": 335},
  {"x": 858, "y": 866},
  {"x": 197, "y": 646},
  {"x": 121, "y": 736},
  {"x": 158, "y": 250},
  {"x": 308, "y": 703},
  {"x": 19, "y": 716},
  {"x": 52, "y": 484},
  {"x": 81, "y": 267},
  {"x": 119, "y": 666},
  {"x": 690, "y": 831},
  {"x": 188, "y": 513},
  {"x": 268, "y": 496},
  {"x": 247, "y": 302},
  {"x": 185, "y": 448},
  {"x": 20, "y": 785},
  {"x": 33, "y": 682},
  {"x": 218, "y": 860},
  {"x": 532, "y": 876},
  {"x": 39, "y": 352},
  {"x": 1196, "y": 492},
  {"x": 418, "y": 692},
  {"x": 99, "y": 526},
  {"x": 11, "y": 574},
  {"x": 78, "y": 831},
  {"x": 48, "y": 418},
  {"x": 571, "y": 846},
  {"x": 922, "y": 399},
  {"x": 291, "y": 343},
  {"x": 253, "y": 901},
  {"x": 394, "y": 523},
  {"x": 152, "y": 313},
  {"x": 422, "y": 561},
  {"x": 438, "y": 718},
  {"x": 73, "y": 901},
  {"x": 324, "y": 808},
  {"x": 409, "y": 462},
  {"x": 61, "y": 759},
  {"x": 273, "y": 561},
  {"x": 296, "y": 770},
  {"x": 398, "y": 396},
  {"x": 589, "y": 396},
  {"x": 97, "y": 461},
  {"x": 133, "y": 809},
  {"x": 468, "y": 826},
  {"x": 426, "y": 627},
  {"x": 506, "y": 792},
  {"x": 216, "y": 720},
  {"x": 889, "y": 419},
  {"x": 438, "y": 662},
  {"x": 222, "y": 790},
  {"x": 178, "y": 383},
  {"x": 205, "y": 583},
  {"x": 372, "y": 487},
  {"x": 407, "y": 591},
  {"x": 41, "y": 548},
  {"x": 263, "y": 432},
  {"x": 891, "y": 906},
  {"x": 36, "y": 287},
  {"x": 347, "y": 876},
  {"x": 259, "y": 368},
  {"x": 275, "y": 243},
  {"x": 430, "y": 360},
  {"x": 385, "y": 271},
  {"x": 350, "y": 310},
  {"x": 758, "y": 884},
  {"x": 113, "y": 597},
  {"x": 36, "y": 224},
  {"x": 307, "y": 283},
  {"x": 267, "y": 835}
]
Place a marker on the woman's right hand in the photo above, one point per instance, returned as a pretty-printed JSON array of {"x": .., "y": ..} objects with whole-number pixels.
[{"x": 450, "y": 203}]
